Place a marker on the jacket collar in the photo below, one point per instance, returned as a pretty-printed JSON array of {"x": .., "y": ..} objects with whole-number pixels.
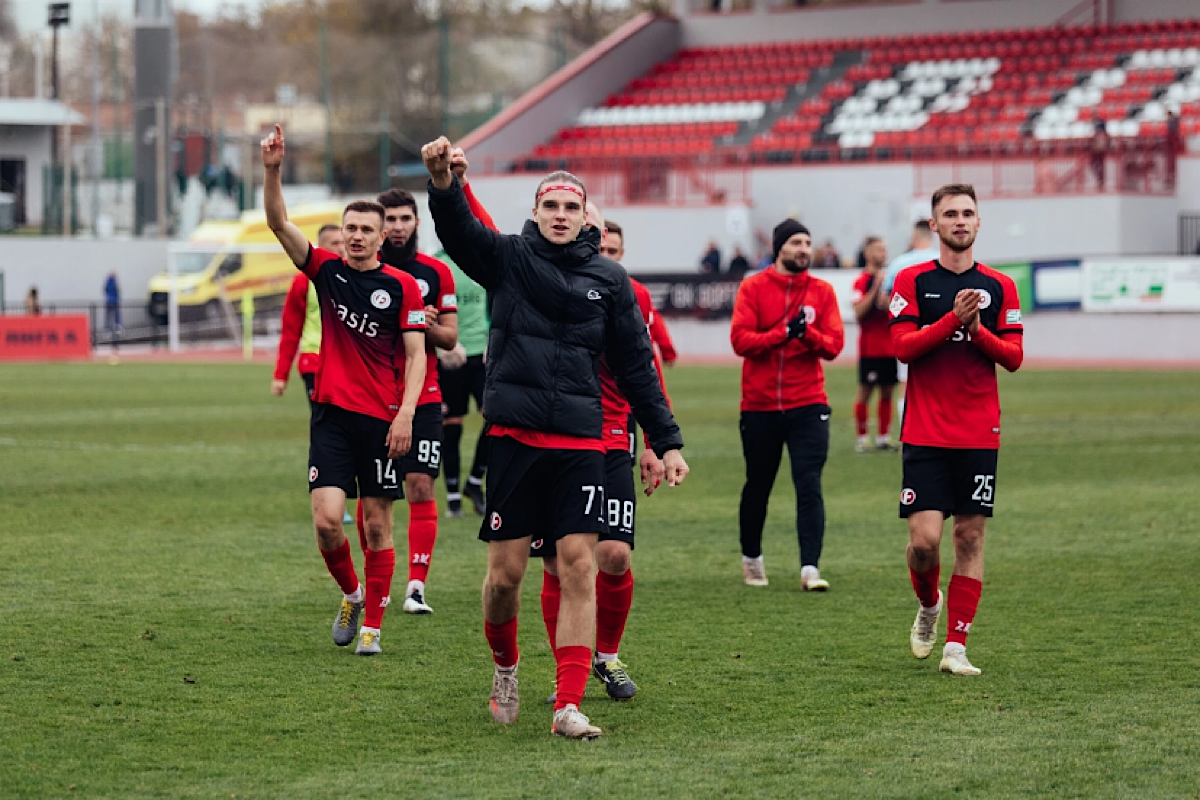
[
  {"x": 795, "y": 280},
  {"x": 563, "y": 256}
]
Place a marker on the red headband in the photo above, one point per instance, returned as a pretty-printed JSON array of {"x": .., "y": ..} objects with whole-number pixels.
[{"x": 563, "y": 186}]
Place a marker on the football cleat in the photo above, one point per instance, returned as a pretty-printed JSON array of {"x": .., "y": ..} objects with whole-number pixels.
[
  {"x": 570, "y": 723},
  {"x": 615, "y": 679},
  {"x": 505, "y": 701},
  {"x": 753, "y": 571},
  {"x": 368, "y": 643},
  {"x": 474, "y": 493},
  {"x": 811, "y": 580},
  {"x": 414, "y": 602},
  {"x": 345, "y": 624},
  {"x": 454, "y": 509},
  {"x": 954, "y": 660},
  {"x": 924, "y": 629}
]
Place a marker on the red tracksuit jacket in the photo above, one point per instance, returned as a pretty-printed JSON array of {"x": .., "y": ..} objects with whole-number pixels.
[{"x": 778, "y": 374}]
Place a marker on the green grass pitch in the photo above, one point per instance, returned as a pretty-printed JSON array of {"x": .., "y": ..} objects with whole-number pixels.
[{"x": 164, "y": 616}]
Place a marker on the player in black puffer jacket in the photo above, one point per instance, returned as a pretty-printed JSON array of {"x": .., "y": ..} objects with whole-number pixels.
[{"x": 558, "y": 306}]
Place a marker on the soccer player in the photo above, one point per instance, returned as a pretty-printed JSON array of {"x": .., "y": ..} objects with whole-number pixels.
[
  {"x": 614, "y": 577},
  {"x": 953, "y": 321},
  {"x": 373, "y": 330},
  {"x": 921, "y": 250},
  {"x": 557, "y": 305},
  {"x": 876, "y": 356},
  {"x": 301, "y": 323},
  {"x": 785, "y": 322},
  {"x": 421, "y": 464}
]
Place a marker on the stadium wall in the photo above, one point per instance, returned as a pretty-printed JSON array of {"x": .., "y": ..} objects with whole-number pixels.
[
  {"x": 73, "y": 270},
  {"x": 919, "y": 16},
  {"x": 629, "y": 52}
]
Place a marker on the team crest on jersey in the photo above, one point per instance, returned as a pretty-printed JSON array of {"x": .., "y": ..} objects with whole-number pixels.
[
  {"x": 810, "y": 315},
  {"x": 423, "y": 285},
  {"x": 381, "y": 299},
  {"x": 538, "y": 544},
  {"x": 985, "y": 298},
  {"x": 908, "y": 497},
  {"x": 495, "y": 522},
  {"x": 897, "y": 305},
  {"x": 312, "y": 474}
]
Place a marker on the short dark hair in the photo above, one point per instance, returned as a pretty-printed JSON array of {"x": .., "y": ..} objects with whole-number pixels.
[
  {"x": 398, "y": 198},
  {"x": 921, "y": 226},
  {"x": 613, "y": 227},
  {"x": 953, "y": 190},
  {"x": 364, "y": 207},
  {"x": 870, "y": 240},
  {"x": 560, "y": 176},
  {"x": 327, "y": 227}
]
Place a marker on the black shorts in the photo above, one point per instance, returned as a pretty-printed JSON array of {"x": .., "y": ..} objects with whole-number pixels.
[
  {"x": 425, "y": 455},
  {"x": 947, "y": 480},
  {"x": 349, "y": 450},
  {"x": 310, "y": 388},
  {"x": 620, "y": 502},
  {"x": 460, "y": 385},
  {"x": 542, "y": 493},
  {"x": 877, "y": 372}
]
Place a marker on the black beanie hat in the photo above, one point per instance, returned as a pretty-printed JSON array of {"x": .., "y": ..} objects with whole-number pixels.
[{"x": 784, "y": 231}]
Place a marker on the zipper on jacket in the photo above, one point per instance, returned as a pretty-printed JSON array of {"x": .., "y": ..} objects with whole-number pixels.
[{"x": 787, "y": 304}]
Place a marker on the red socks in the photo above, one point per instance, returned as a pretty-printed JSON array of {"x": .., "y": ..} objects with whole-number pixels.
[
  {"x": 502, "y": 639},
  {"x": 574, "y": 666},
  {"x": 885, "y": 417},
  {"x": 381, "y": 565},
  {"x": 860, "y": 418},
  {"x": 614, "y": 595},
  {"x": 422, "y": 535},
  {"x": 925, "y": 584},
  {"x": 962, "y": 599},
  {"x": 341, "y": 566},
  {"x": 551, "y": 597},
  {"x": 362, "y": 526}
]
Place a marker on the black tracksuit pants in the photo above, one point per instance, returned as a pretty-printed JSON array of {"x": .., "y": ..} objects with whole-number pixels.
[{"x": 805, "y": 431}]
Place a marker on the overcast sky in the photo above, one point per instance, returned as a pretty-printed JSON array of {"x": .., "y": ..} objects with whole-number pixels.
[{"x": 31, "y": 15}]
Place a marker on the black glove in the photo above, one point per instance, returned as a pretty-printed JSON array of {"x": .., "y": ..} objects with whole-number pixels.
[{"x": 797, "y": 326}]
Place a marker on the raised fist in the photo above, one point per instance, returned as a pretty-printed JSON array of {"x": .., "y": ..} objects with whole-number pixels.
[
  {"x": 272, "y": 148},
  {"x": 437, "y": 156},
  {"x": 459, "y": 164}
]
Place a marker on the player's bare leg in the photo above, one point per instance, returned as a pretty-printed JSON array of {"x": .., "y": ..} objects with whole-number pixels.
[
  {"x": 328, "y": 507},
  {"x": 924, "y": 569},
  {"x": 575, "y": 634},
  {"x": 962, "y": 598},
  {"x": 614, "y": 595},
  {"x": 422, "y": 536},
  {"x": 380, "y": 567},
  {"x": 501, "y": 603}
]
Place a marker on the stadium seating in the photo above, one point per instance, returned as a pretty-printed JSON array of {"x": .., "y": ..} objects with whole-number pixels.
[{"x": 994, "y": 92}]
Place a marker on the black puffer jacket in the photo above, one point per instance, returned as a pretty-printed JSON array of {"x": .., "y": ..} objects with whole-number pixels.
[{"x": 555, "y": 310}]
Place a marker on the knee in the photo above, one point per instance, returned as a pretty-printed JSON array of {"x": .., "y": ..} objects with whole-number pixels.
[
  {"x": 329, "y": 527},
  {"x": 968, "y": 538},
  {"x": 418, "y": 488},
  {"x": 503, "y": 579},
  {"x": 613, "y": 557}
]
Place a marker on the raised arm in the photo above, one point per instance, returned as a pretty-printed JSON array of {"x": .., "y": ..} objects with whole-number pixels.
[
  {"x": 469, "y": 243},
  {"x": 294, "y": 242}
]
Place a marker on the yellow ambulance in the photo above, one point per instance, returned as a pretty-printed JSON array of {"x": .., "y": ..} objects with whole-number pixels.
[{"x": 217, "y": 271}]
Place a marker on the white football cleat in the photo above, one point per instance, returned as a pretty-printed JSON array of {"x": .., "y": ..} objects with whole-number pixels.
[
  {"x": 954, "y": 661},
  {"x": 811, "y": 580},
  {"x": 570, "y": 723},
  {"x": 923, "y": 636},
  {"x": 753, "y": 571}
]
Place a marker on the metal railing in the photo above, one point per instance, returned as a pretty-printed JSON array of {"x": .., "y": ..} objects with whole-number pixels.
[
  {"x": 1189, "y": 234},
  {"x": 1141, "y": 172}
]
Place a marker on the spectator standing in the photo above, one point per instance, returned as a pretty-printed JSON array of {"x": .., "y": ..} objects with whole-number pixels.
[
  {"x": 112, "y": 303},
  {"x": 710, "y": 263}
]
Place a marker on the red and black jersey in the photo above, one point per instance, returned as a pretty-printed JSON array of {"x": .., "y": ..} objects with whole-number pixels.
[
  {"x": 779, "y": 373},
  {"x": 616, "y": 407},
  {"x": 952, "y": 399},
  {"x": 436, "y": 284},
  {"x": 363, "y": 315},
  {"x": 874, "y": 338}
]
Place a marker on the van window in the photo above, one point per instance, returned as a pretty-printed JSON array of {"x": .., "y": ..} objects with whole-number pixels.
[
  {"x": 191, "y": 263},
  {"x": 231, "y": 264}
]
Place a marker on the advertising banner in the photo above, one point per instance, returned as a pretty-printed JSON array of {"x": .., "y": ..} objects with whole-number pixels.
[
  {"x": 1141, "y": 284},
  {"x": 52, "y": 337}
]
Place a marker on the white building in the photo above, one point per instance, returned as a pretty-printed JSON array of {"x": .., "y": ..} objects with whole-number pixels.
[{"x": 27, "y": 126}]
